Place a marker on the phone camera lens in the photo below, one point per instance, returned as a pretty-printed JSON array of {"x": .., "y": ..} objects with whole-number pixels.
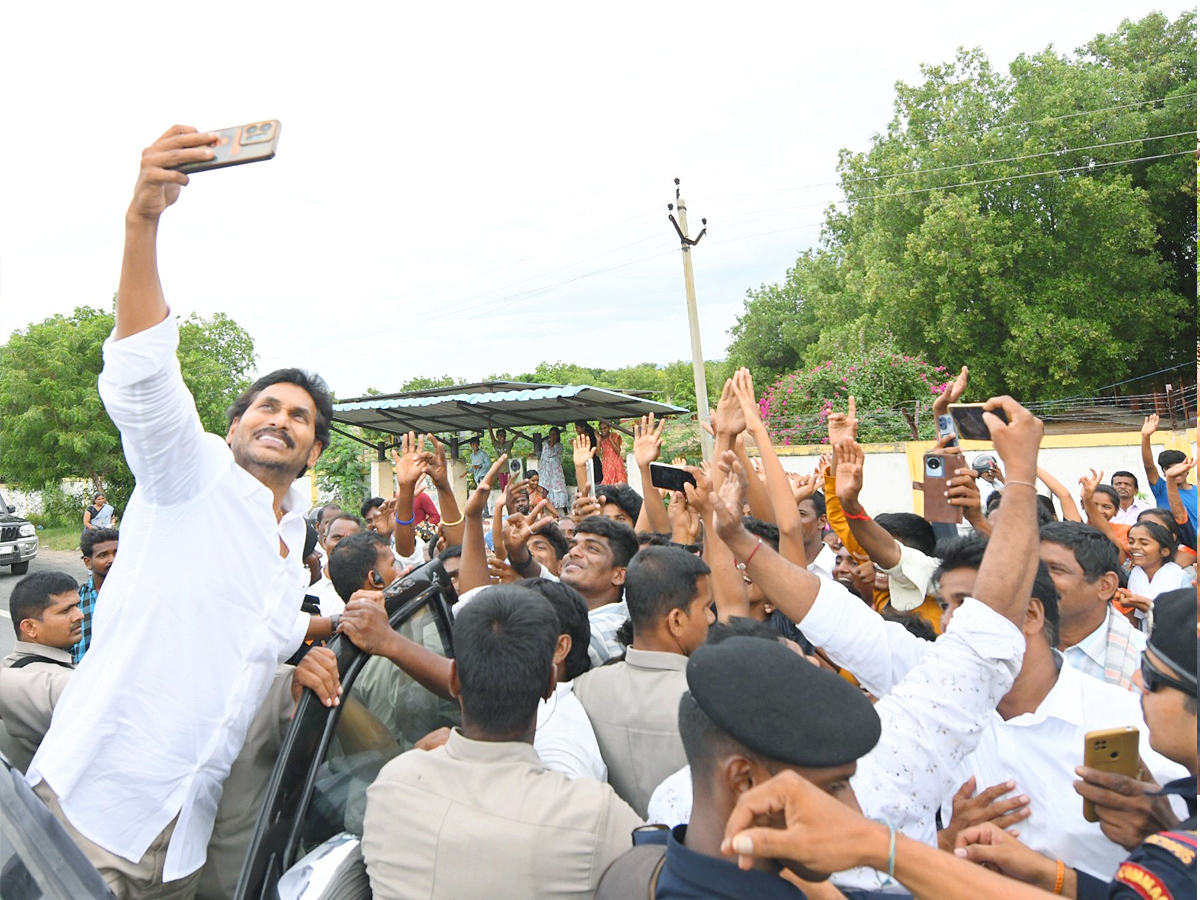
[
  {"x": 935, "y": 463},
  {"x": 265, "y": 126},
  {"x": 251, "y": 129}
]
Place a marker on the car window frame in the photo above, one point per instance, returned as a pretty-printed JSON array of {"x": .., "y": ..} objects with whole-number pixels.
[{"x": 277, "y": 833}]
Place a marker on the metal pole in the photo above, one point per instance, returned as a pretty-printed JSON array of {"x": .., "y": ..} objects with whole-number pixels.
[{"x": 698, "y": 374}]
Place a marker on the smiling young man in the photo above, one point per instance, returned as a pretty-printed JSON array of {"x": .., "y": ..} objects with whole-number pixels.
[
  {"x": 143, "y": 740},
  {"x": 46, "y": 617},
  {"x": 99, "y": 549}
]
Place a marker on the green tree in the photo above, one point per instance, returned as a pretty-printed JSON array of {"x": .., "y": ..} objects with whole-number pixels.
[
  {"x": 54, "y": 425},
  {"x": 344, "y": 471},
  {"x": 951, "y": 245}
]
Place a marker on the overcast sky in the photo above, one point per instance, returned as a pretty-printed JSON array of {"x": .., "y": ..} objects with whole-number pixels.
[{"x": 461, "y": 189}]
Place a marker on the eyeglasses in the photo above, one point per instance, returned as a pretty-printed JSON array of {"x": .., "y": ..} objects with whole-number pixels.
[{"x": 1153, "y": 679}]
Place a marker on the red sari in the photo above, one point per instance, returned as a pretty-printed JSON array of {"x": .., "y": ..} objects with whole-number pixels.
[{"x": 612, "y": 459}]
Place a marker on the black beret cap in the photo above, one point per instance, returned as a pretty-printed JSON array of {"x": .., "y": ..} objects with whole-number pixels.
[
  {"x": 1173, "y": 638},
  {"x": 780, "y": 705}
]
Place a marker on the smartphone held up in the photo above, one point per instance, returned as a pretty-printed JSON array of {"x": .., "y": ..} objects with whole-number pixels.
[
  {"x": 239, "y": 145},
  {"x": 968, "y": 420}
]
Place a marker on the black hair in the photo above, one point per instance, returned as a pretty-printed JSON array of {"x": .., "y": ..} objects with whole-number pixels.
[
  {"x": 504, "y": 651},
  {"x": 1111, "y": 493},
  {"x": 993, "y": 501},
  {"x": 818, "y": 502},
  {"x": 552, "y": 534},
  {"x": 915, "y": 625},
  {"x": 453, "y": 551},
  {"x": 660, "y": 579},
  {"x": 31, "y": 595},
  {"x": 1046, "y": 513},
  {"x": 532, "y": 473},
  {"x": 741, "y": 626},
  {"x": 350, "y": 517},
  {"x": 1169, "y": 458},
  {"x": 1165, "y": 518},
  {"x": 910, "y": 530},
  {"x": 370, "y": 504},
  {"x": 474, "y": 440},
  {"x": 1095, "y": 553},
  {"x": 760, "y": 529},
  {"x": 705, "y": 742},
  {"x": 96, "y": 496},
  {"x": 93, "y": 536},
  {"x": 1160, "y": 535},
  {"x": 622, "y": 540},
  {"x": 312, "y": 383},
  {"x": 623, "y": 496},
  {"x": 967, "y": 553},
  {"x": 1127, "y": 475},
  {"x": 353, "y": 559},
  {"x": 655, "y": 539},
  {"x": 572, "y": 612}
]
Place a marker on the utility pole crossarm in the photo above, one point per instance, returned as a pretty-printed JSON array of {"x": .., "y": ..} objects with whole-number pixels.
[{"x": 698, "y": 374}]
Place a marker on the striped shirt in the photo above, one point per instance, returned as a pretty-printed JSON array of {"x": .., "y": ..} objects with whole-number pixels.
[{"x": 87, "y": 603}]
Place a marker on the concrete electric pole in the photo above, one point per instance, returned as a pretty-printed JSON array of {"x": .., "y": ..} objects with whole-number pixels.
[{"x": 681, "y": 228}]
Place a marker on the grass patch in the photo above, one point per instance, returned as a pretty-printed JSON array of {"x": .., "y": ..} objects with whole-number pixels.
[{"x": 59, "y": 537}]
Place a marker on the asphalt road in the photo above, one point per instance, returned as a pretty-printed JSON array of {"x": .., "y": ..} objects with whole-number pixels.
[{"x": 47, "y": 561}]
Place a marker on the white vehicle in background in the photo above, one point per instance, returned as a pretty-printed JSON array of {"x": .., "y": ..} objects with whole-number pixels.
[{"x": 18, "y": 539}]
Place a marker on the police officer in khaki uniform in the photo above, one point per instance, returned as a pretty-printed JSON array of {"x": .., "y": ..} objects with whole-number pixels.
[
  {"x": 46, "y": 617},
  {"x": 482, "y": 816},
  {"x": 634, "y": 705}
]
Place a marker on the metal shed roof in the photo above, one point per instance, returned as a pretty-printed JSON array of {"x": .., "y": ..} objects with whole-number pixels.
[{"x": 498, "y": 404}]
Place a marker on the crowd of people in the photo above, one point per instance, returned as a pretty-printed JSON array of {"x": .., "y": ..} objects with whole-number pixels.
[{"x": 753, "y": 687}]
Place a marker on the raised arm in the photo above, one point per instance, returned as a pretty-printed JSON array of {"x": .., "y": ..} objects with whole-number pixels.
[
  {"x": 411, "y": 466},
  {"x": 647, "y": 446},
  {"x": 473, "y": 570},
  {"x": 729, "y": 588},
  {"x": 1065, "y": 500},
  {"x": 1010, "y": 563},
  {"x": 1095, "y": 518},
  {"x": 779, "y": 490},
  {"x": 582, "y": 454},
  {"x": 452, "y": 520},
  {"x": 1173, "y": 499},
  {"x": 1149, "y": 426},
  {"x": 365, "y": 622},
  {"x": 140, "y": 302},
  {"x": 848, "y": 461}
]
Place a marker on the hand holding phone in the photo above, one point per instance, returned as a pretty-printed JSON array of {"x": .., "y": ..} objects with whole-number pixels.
[
  {"x": 238, "y": 145},
  {"x": 1112, "y": 750},
  {"x": 968, "y": 421},
  {"x": 670, "y": 478}
]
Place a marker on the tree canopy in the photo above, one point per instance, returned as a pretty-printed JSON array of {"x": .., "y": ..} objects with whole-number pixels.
[
  {"x": 1038, "y": 226},
  {"x": 54, "y": 425}
]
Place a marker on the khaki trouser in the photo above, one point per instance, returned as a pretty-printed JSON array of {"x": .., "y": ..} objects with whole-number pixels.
[{"x": 129, "y": 881}]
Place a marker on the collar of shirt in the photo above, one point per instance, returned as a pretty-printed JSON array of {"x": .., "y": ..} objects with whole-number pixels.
[
  {"x": 1181, "y": 787},
  {"x": 27, "y": 648},
  {"x": 655, "y": 659},
  {"x": 1094, "y": 645},
  {"x": 460, "y": 747},
  {"x": 708, "y": 876},
  {"x": 824, "y": 563},
  {"x": 1065, "y": 700}
]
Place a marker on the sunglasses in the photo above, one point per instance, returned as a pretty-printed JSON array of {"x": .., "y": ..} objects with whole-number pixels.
[{"x": 1153, "y": 679}]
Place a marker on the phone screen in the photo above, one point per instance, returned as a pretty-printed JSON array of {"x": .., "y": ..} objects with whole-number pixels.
[
  {"x": 670, "y": 478},
  {"x": 968, "y": 421}
]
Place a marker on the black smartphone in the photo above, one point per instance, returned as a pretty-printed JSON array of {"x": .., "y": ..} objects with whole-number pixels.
[
  {"x": 670, "y": 478},
  {"x": 968, "y": 420},
  {"x": 239, "y": 145}
]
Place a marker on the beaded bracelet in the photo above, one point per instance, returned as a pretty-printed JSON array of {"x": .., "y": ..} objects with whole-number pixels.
[{"x": 1060, "y": 876}]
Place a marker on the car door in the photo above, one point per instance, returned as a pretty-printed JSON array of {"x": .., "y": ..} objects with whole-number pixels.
[{"x": 317, "y": 792}]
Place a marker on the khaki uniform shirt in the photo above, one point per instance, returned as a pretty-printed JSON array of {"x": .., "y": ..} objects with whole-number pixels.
[
  {"x": 477, "y": 819},
  {"x": 634, "y": 708},
  {"x": 27, "y": 699}
]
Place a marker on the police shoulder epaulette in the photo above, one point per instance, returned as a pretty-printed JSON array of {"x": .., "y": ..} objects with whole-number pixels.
[
  {"x": 1180, "y": 844},
  {"x": 1147, "y": 885}
]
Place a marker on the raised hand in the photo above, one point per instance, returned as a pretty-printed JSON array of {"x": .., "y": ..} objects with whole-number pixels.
[
  {"x": 848, "y": 459},
  {"x": 844, "y": 426},
  {"x": 700, "y": 496},
  {"x": 684, "y": 517},
  {"x": 951, "y": 393},
  {"x": 728, "y": 503},
  {"x": 158, "y": 182},
  {"x": 582, "y": 450},
  {"x": 1150, "y": 425},
  {"x": 585, "y": 504},
  {"x": 743, "y": 390},
  {"x": 365, "y": 622},
  {"x": 413, "y": 460},
  {"x": 1016, "y": 440},
  {"x": 1089, "y": 483},
  {"x": 437, "y": 468},
  {"x": 1181, "y": 468},
  {"x": 679, "y": 462},
  {"x": 477, "y": 502},
  {"x": 804, "y": 486},
  {"x": 501, "y": 572},
  {"x": 647, "y": 440},
  {"x": 517, "y": 531},
  {"x": 728, "y": 418}
]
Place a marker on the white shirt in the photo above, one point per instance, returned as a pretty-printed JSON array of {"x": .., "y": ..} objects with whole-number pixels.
[
  {"x": 908, "y": 580},
  {"x": 671, "y": 802},
  {"x": 178, "y": 664},
  {"x": 327, "y": 596},
  {"x": 1088, "y": 656},
  {"x": 1129, "y": 516},
  {"x": 1169, "y": 577},
  {"x": 565, "y": 740},
  {"x": 1039, "y": 751},
  {"x": 605, "y": 622},
  {"x": 823, "y": 565}
]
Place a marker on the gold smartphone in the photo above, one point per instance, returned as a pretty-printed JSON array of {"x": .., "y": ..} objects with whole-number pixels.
[
  {"x": 239, "y": 145},
  {"x": 1112, "y": 750}
]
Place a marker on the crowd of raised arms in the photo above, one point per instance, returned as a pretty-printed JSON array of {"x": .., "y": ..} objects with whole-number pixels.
[{"x": 808, "y": 697}]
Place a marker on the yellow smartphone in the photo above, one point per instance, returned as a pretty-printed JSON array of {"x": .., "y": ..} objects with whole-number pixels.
[{"x": 1112, "y": 750}]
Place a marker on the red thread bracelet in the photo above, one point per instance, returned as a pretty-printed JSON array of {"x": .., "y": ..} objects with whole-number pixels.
[{"x": 861, "y": 517}]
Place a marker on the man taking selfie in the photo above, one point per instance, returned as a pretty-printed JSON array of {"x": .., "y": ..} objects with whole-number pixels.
[{"x": 143, "y": 739}]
